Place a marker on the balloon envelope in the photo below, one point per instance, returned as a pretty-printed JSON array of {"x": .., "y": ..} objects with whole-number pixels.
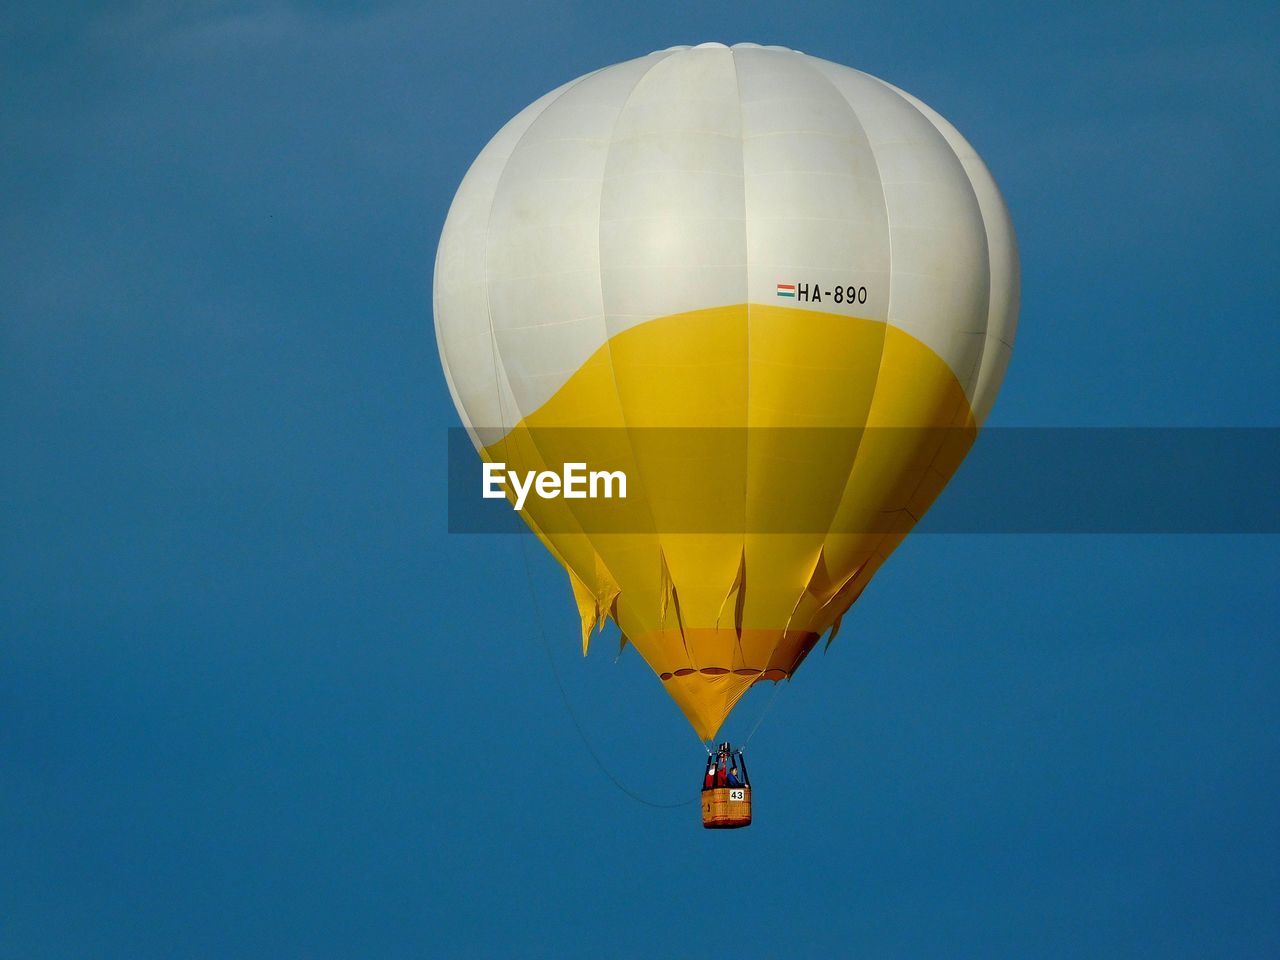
[{"x": 777, "y": 293}]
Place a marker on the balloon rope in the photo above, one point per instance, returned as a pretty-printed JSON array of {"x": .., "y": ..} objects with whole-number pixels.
[
  {"x": 541, "y": 629},
  {"x": 777, "y": 685},
  {"x": 564, "y": 696}
]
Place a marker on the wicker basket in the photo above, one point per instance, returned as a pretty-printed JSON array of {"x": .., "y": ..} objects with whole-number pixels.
[{"x": 725, "y": 808}]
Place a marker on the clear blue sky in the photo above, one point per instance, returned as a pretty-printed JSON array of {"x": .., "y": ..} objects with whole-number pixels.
[{"x": 255, "y": 702}]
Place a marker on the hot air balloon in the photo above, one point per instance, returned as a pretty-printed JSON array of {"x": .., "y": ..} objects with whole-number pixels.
[{"x": 778, "y": 293}]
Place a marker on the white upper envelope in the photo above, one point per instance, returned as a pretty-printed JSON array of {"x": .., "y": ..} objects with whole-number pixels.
[{"x": 703, "y": 177}]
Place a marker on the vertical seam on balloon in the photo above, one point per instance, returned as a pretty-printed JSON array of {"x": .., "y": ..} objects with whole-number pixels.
[
  {"x": 604, "y": 313},
  {"x": 814, "y": 64},
  {"x": 911, "y": 102},
  {"x": 986, "y": 313},
  {"x": 888, "y": 323},
  {"x": 933, "y": 459},
  {"x": 1005, "y": 337},
  {"x": 495, "y": 354},
  {"x": 746, "y": 299}
]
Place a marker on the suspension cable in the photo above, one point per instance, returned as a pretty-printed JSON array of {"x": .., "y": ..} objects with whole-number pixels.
[
  {"x": 564, "y": 697},
  {"x": 541, "y": 629},
  {"x": 777, "y": 685}
]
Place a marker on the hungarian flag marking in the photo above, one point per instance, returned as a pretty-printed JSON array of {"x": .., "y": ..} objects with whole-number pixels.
[{"x": 787, "y": 290}]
